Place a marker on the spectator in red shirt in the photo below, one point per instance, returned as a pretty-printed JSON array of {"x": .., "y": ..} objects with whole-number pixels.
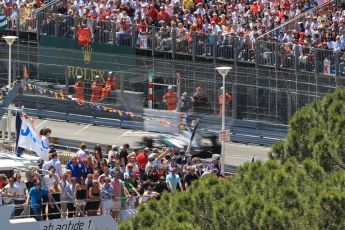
[
  {"x": 142, "y": 160},
  {"x": 153, "y": 13},
  {"x": 163, "y": 15}
]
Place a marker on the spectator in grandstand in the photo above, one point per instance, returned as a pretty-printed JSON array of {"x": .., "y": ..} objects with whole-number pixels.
[
  {"x": 214, "y": 166},
  {"x": 119, "y": 193},
  {"x": 149, "y": 178},
  {"x": 149, "y": 194},
  {"x": 81, "y": 153},
  {"x": 161, "y": 185},
  {"x": 20, "y": 197},
  {"x": 133, "y": 163},
  {"x": 35, "y": 196},
  {"x": 31, "y": 181},
  {"x": 3, "y": 180},
  {"x": 45, "y": 137},
  {"x": 88, "y": 181},
  {"x": 55, "y": 162},
  {"x": 106, "y": 172},
  {"x": 199, "y": 170},
  {"x": 49, "y": 179},
  {"x": 98, "y": 161},
  {"x": 173, "y": 181},
  {"x": 71, "y": 200},
  {"x": 65, "y": 196},
  {"x": 190, "y": 177},
  {"x": 54, "y": 209},
  {"x": 76, "y": 168},
  {"x": 131, "y": 190},
  {"x": 186, "y": 103},
  {"x": 107, "y": 192},
  {"x": 10, "y": 192},
  {"x": 80, "y": 195},
  {"x": 94, "y": 199},
  {"x": 124, "y": 155},
  {"x": 135, "y": 153},
  {"x": 142, "y": 160},
  {"x": 112, "y": 153},
  {"x": 201, "y": 103},
  {"x": 88, "y": 167}
]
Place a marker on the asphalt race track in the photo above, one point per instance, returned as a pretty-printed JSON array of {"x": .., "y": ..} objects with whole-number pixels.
[{"x": 236, "y": 153}]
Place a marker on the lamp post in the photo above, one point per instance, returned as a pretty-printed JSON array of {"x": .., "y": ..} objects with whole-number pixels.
[
  {"x": 9, "y": 40},
  {"x": 224, "y": 70}
]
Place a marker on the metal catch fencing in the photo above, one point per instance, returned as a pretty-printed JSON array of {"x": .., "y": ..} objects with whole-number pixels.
[{"x": 261, "y": 93}]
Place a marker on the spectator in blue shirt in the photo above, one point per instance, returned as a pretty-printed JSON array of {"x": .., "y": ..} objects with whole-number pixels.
[
  {"x": 35, "y": 197},
  {"x": 173, "y": 180},
  {"x": 76, "y": 168}
]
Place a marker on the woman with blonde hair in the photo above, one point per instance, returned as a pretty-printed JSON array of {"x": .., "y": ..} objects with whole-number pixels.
[
  {"x": 80, "y": 196},
  {"x": 94, "y": 199},
  {"x": 54, "y": 209}
]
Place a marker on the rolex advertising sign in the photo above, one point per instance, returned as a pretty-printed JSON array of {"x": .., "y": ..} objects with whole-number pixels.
[{"x": 62, "y": 61}]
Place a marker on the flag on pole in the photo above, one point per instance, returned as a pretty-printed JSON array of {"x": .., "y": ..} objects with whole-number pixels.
[
  {"x": 142, "y": 40},
  {"x": 3, "y": 22},
  {"x": 196, "y": 124},
  {"x": 25, "y": 73},
  {"x": 28, "y": 139},
  {"x": 84, "y": 36},
  {"x": 19, "y": 150}
]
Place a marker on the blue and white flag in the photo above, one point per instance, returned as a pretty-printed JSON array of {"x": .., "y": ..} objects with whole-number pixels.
[
  {"x": 3, "y": 22},
  {"x": 28, "y": 139}
]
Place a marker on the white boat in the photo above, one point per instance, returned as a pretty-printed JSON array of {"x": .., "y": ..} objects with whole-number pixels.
[
  {"x": 10, "y": 163},
  {"x": 78, "y": 223}
]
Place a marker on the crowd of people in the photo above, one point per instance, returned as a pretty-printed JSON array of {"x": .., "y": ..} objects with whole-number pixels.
[
  {"x": 101, "y": 183},
  {"x": 250, "y": 19},
  {"x": 230, "y": 25}
]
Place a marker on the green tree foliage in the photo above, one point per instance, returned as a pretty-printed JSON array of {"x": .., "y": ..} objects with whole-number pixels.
[
  {"x": 267, "y": 195},
  {"x": 317, "y": 131},
  {"x": 301, "y": 187}
]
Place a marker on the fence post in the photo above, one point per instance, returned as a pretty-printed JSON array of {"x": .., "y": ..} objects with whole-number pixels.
[
  {"x": 173, "y": 40},
  {"x": 38, "y": 25},
  {"x": 134, "y": 37},
  {"x": 317, "y": 71},
  {"x": 337, "y": 64},
  {"x": 214, "y": 48},
  {"x": 178, "y": 84},
  {"x": 296, "y": 59},
  {"x": 18, "y": 24},
  {"x": 234, "y": 84},
  {"x": 235, "y": 41},
  {"x": 193, "y": 45},
  {"x": 56, "y": 19},
  {"x": 289, "y": 105},
  {"x": 276, "y": 53},
  {"x": 75, "y": 26},
  {"x": 113, "y": 29},
  {"x": 153, "y": 34}
]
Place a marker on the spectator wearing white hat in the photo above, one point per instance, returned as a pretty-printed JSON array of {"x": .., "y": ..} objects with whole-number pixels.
[{"x": 112, "y": 152}]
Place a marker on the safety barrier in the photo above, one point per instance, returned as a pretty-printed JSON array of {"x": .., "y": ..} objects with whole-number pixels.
[
  {"x": 242, "y": 131},
  {"x": 247, "y": 131},
  {"x": 178, "y": 41}
]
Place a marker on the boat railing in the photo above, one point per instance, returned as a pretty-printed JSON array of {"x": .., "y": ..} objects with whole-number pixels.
[{"x": 131, "y": 203}]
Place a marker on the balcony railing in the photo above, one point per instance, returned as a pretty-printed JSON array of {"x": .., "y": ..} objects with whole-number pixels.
[{"x": 179, "y": 41}]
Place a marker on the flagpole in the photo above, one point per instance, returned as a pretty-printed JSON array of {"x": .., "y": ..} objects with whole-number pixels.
[
  {"x": 16, "y": 136},
  {"x": 9, "y": 41}
]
